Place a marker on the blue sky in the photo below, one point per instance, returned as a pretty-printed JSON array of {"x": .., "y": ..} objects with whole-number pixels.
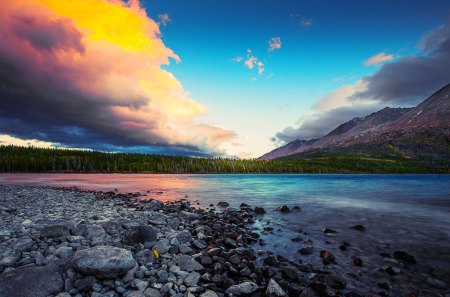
[
  {"x": 313, "y": 60},
  {"x": 252, "y": 74}
]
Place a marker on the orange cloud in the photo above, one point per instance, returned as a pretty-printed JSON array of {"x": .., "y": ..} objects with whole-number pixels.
[{"x": 108, "y": 53}]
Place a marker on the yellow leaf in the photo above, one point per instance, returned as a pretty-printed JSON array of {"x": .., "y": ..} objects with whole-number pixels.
[{"x": 156, "y": 253}]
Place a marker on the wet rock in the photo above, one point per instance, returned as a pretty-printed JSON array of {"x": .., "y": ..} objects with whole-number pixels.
[
  {"x": 24, "y": 244},
  {"x": 273, "y": 289},
  {"x": 103, "y": 261},
  {"x": 141, "y": 234},
  {"x": 283, "y": 208},
  {"x": 327, "y": 257},
  {"x": 32, "y": 281},
  {"x": 392, "y": 270},
  {"x": 259, "y": 210},
  {"x": 290, "y": 272},
  {"x": 54, "y": 231},
  {"x": 404, "y": 257},
  {"x": 329, "y": 231},
  {"x": 306, "y": 250},
  {"x": 297, "y": 239},
  {"x": 223, "y": 204},
  {"x": 357, "y": 261},
  {"x": 436, "y": 283},
  {"x": 187, "y": 263},
  {"x": 358, "y": 228},
  {"x": 296, "y": 208},
  {"x": 308, "y": 292}
]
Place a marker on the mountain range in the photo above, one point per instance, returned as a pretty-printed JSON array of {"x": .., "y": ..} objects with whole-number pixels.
[{"x": 421, "y": 131}]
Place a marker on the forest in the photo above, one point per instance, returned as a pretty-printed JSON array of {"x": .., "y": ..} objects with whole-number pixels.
[{"x": 57, "y": 160}]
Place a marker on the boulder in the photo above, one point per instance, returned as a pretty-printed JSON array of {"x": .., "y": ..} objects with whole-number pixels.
[
  {"x": 54, "y": 231},
  {"x": 273, "y": 289},
  {"x": 283, "y": 208},
  {"x": 23, "y": 244},
  {"x": 141, "y": 234},
  {"x": 103, "y": 261}
]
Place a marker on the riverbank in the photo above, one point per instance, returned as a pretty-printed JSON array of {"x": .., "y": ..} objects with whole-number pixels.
[{"x": 66, "y": 242}]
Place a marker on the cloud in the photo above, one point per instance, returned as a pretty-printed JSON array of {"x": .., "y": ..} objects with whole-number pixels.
[
  {"x": 404, "y": 82},
  {"x": 164, "y": 19},
  {"x": 378, "y": 59},
  {"x": 71, "y": 72},
  {"x": 306, "y": 22},
  {"x": 251, "y": 62},
  {"x": 410, "y": 79},
  {"x": 274, "y": 44}
]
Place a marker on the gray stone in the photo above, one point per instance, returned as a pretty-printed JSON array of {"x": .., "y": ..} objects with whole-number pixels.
[
  {"x": 145, "y": 256},
  {"x": 187, "y": 263},
  {"x": 273, "y": 289},
  {"x": 94, "y": 231},
  {"x": 8, "y": 261},
  {"x": 184, "y": 249},
  {"x": 436, "y": 283},
  {"x": 85, "y": 284},
  {"x": 248, "y": 287},
  {"x": 54, "y": 231},
  {"x": 161, "y": 247},
  {"x": 32, "y": 281},
  {"x": 64, "y": 252},
  {"x": 184, "y": 236},
  {"x": 150, "y": 292},
  {"x": 192, "y": 279},
  {"x": 24, "y": 244},
  {"x": 234, "y": 289},
  {"x": 103, "y": 261},
  {"x": 209, "y": 293}
]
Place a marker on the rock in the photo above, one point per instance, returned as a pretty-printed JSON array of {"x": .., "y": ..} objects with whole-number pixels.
[
  {"x": 392, "y": 270},
  {"x": 192, "y": 279},
  {"x": 306, "y": 250},
  {"x": 24, "y": 244},
  {"x": 94, "y": 231},
  {"x": 357, "y": 261},
  {"x": 103, "y": 261},
  {"x": 296, "y": 208},
  {"x": 85, "y": 284},
  {"x": 223, "y": 204},
  {"x": 283, "y": 208},
  {"x": 259, "y": 210},
  {"x": 145, "y": 256},
  {"x": 436, "y": 283},
  {"x": 209, "y": 293},
  {"x": 187, "y": 263},
  {"x": 358, "y": 228},
  {"x": 53, "y": 231},
  {"x": 290, "y": 272},
  {"x": 64, "y": 252},
  {"x": 141, "y": 234},
  {"x": 329, "y": 231},
  {"x": 8, "y": 261},
  {"x": 141, "y": 285},
  {"x": 297, "y": 239},
  {"x": 184, "y": 236},
  {"x": 234, "y": 289},
  {"x": 273, "y": 289},
  {"x": 326, "y": 256},
  {"x": 248, "y": 287},
  {"x": 64, "y": 294},
  {"x": 308, "y": 292},
  {"x": 32, "y": 281},
  {"x": 184, "y": 249},
  {"x": 162, "y": 247},
  {"x": 404, "y": 257},
  {"x": 151, "y": 292}
]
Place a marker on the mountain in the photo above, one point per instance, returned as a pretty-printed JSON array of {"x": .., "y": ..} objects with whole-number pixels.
[{"x": 420, "y": 131}]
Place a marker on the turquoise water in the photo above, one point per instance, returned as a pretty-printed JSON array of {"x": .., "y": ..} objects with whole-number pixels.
[{"x": 399, "y": 212}]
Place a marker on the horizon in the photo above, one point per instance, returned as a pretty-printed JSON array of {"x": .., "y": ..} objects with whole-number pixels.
[{"x": 210, "y": 79}]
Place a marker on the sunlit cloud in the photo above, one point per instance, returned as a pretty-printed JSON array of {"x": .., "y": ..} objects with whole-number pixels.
[
  {"x": 274, "y": 44},
  {"x": 306, "y": 22},
  {"x": 91, "y": 70},
  {"x": 378, "y": 59}
]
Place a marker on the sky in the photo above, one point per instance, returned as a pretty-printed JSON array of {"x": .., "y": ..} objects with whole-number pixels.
[{"x": 210, "y": 78}]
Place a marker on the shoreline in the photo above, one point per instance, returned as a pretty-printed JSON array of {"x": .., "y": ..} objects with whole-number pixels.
[{"x": 200, "y": 251}]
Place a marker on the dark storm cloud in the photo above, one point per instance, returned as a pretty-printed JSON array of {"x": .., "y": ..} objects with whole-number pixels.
[{"x": 411, "y": 79}]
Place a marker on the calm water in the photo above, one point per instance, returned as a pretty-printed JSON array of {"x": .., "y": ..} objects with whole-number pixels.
[{"x": 399, "y": 212}]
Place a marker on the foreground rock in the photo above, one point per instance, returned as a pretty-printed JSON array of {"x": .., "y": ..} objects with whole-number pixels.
[{"x": 103, "y": 261}]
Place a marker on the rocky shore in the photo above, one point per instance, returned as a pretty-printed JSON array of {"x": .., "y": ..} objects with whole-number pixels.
[{"x": 67, "y": 242}]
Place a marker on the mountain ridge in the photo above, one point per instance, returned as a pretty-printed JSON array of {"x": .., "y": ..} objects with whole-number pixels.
[{"x": 379, "y": 128}]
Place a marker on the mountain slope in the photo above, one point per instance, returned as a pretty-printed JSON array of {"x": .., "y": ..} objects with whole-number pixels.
[{"x": 430, "y": 120}]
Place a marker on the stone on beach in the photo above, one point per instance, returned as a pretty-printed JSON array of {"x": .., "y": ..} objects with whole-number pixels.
[{"x": 103, "y": 261}]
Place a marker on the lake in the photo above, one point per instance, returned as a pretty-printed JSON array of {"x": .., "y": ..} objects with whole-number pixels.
[{"x": 399, "y": 212}]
